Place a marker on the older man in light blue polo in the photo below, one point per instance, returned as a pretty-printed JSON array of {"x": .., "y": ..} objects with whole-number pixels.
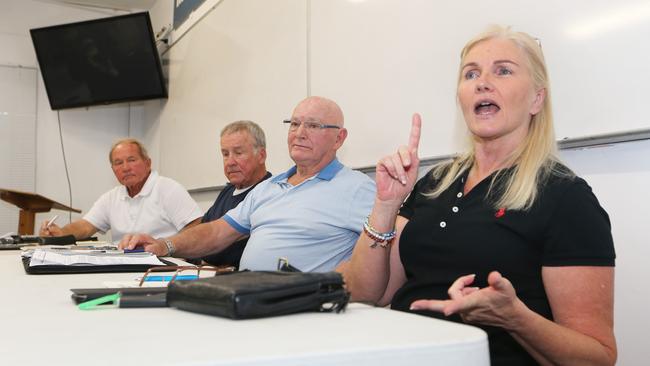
[{"x": 312, "y": 214}]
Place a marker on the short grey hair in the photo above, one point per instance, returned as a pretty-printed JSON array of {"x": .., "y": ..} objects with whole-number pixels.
[
  {"x": 251, "y": 127},
  {"x": 129, "y": 140}
]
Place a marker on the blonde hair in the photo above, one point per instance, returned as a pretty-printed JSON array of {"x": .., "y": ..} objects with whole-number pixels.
[
  {"x": 143, "y": 151},
  {"x": 535, "y": 160}
]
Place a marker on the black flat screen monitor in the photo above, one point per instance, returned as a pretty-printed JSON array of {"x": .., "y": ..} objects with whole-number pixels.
[{"x": 100, "y": 61}]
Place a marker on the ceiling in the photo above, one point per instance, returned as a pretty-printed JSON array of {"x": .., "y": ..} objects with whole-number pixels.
[{"x": 127, "y": 5}]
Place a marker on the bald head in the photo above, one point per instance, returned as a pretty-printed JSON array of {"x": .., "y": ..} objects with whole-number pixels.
[
  {"x": 328, "y": 111},
  {"x": 313, "y": 149}
]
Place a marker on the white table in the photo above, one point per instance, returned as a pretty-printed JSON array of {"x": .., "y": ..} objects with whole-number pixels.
[{"x": 41, "y": 325}]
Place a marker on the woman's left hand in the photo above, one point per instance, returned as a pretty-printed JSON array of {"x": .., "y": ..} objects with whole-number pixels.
[{"x": 493, "y": 305}]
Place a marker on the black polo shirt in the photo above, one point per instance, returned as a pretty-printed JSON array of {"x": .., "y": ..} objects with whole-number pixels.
[
  {"x": 456, "y": 234},
  {"x": 224, "y": 203}
]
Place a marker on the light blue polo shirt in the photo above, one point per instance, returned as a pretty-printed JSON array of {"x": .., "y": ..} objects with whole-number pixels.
[{"x": 314, "y": 224}]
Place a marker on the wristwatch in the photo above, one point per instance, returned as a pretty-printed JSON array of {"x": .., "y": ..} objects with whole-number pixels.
[{"x": 170, "y": 247}]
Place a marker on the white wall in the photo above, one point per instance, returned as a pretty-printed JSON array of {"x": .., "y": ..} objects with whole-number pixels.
[
  {"x": 18, "y": 120},
  {"x": 382, "y": 60},
  {"x": 620, "y": 176},
  {"x": 87, "y": 133}
]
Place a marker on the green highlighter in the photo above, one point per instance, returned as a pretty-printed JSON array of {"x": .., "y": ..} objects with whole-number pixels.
[
  {"x": 91, "y": 304},
  {"x": 123, "y": 300}
]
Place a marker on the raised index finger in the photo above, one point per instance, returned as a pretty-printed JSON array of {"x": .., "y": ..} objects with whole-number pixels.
[{"x": 414, "y": 137}]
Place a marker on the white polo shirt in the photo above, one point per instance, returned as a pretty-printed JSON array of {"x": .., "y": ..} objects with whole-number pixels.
[{"x": 162, "y": 208}]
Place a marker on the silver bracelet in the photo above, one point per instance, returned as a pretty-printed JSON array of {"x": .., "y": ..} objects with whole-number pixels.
[{"x": 170, "y": 247}]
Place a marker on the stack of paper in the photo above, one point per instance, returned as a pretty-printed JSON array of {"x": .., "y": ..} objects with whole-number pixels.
[{"x": 41, "y": 257}]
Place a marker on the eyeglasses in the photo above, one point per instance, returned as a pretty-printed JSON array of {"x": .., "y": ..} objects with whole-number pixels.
[
  {"x": 309, "y": 125},
  {"x": 178, "y": 269}
]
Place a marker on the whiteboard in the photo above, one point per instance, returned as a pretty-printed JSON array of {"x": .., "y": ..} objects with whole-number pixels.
[{"x": 383, "y": 60}]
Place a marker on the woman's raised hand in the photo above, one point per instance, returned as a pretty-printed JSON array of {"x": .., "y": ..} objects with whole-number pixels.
[{"x": 396, "y": 173}]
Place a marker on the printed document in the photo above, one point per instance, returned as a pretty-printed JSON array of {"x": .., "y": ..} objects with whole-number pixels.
[{"x": 42, "y": 257}]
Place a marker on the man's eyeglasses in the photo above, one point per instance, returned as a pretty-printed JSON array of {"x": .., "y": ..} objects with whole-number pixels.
[
  {"x": 178, "y": 269},
  {"x": 309, "y": 125}
]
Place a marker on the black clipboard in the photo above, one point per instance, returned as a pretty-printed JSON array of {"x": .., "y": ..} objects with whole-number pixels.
[{"x": 113, "y": 268}]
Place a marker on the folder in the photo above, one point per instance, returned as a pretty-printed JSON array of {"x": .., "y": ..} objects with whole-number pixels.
[{"x": 61, "y": 269}]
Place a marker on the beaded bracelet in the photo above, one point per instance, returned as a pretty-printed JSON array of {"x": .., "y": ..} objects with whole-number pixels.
[{"x": 379, "y": 238}]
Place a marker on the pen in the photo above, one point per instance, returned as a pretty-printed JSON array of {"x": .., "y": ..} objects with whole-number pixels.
[
  {"x": 52, "y": 221},
  {"x": 134, "y": 250}
]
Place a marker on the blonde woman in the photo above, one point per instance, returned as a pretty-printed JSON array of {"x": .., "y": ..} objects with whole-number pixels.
[{"x": 505, "y": 236}]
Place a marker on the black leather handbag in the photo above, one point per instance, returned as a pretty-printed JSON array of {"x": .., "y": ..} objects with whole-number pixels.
[{"x": 257, "y": 294}]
